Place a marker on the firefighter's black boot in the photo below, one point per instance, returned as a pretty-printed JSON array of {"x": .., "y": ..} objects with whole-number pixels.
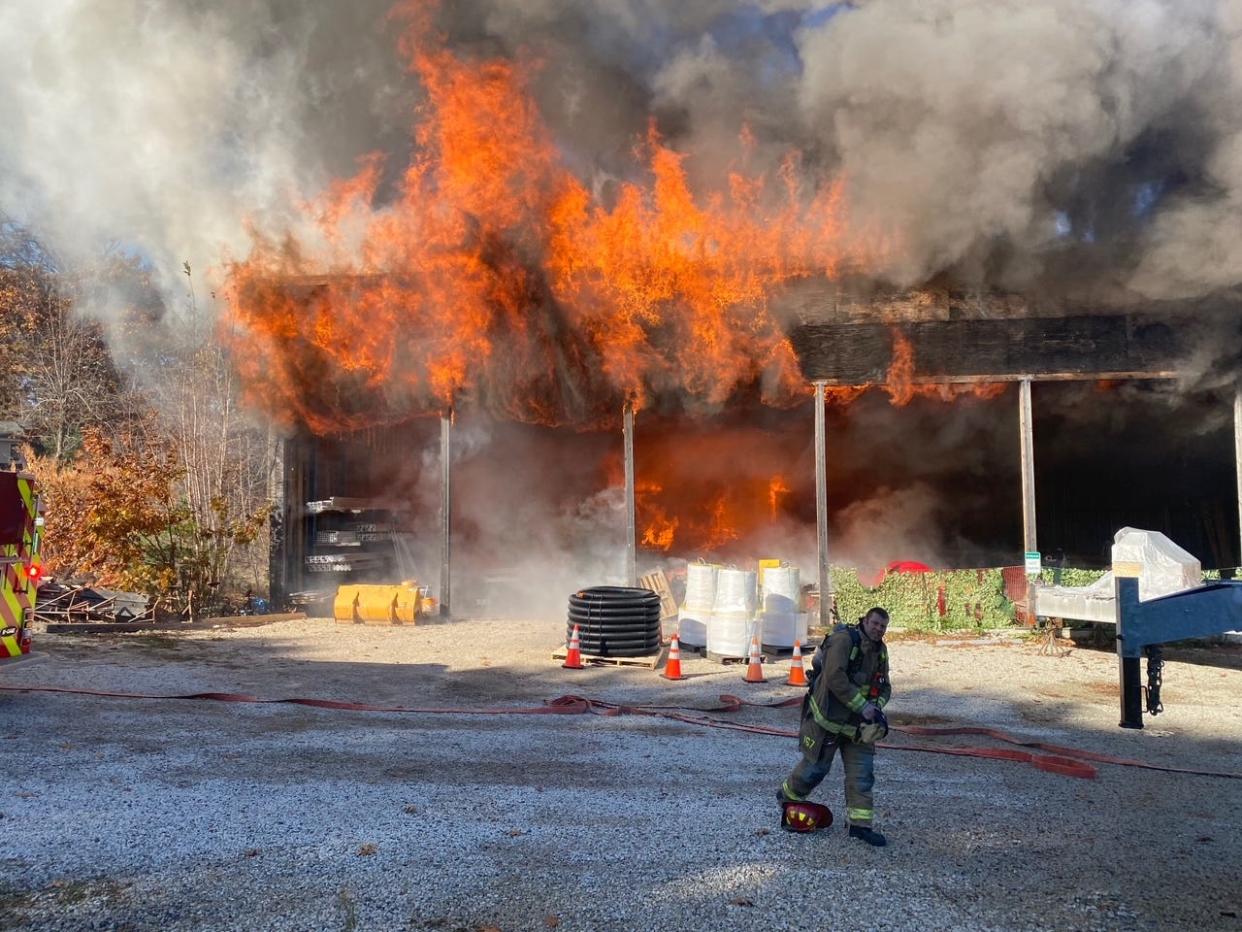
[
  {"x": 868, "y": 834},
  {"x": 785, "y": 795}
]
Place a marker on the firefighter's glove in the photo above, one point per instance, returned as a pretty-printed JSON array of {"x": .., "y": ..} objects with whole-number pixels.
[
  {"x": 875, "y": 730},
  {"x": 869, "y": 712}
]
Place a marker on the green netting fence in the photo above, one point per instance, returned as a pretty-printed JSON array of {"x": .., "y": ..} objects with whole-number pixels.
[{"x": 971, "y": 598}]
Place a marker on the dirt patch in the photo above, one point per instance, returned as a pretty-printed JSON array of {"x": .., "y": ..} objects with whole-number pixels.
[
  {"x": 914, "y": 718},
  {"x": 1226, "y": 656},
  {"x": 960, "y": 637},
  {"x": 910, "y": 635},
  {"x": 155, "y": 642},
  {"x": 1103, "y": 689},
  {"x": 14, "y": 903},
  {"x": 972, "y": 643}
]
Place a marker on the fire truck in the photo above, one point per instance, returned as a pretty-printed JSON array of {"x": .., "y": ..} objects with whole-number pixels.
[{"x": 20, "y": 569}]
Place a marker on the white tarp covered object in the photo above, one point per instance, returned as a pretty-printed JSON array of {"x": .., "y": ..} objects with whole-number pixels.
[
  {"x": 1165, "y": 568},
  {"x": 1096, "y": 602}
]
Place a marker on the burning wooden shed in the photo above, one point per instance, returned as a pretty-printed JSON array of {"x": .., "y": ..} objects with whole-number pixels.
[
  {"x": 1016, "y": 364},
  {"x": 653, "y": 346}
]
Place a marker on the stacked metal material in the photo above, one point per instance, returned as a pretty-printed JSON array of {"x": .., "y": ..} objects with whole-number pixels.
[{"x": 341, "y": 562}]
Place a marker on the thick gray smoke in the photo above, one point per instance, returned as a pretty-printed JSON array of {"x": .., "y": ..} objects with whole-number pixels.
[
  {"x": 1013, "y": 144},
  {"x": 164, "y": 128},
  {"x": 1193, "y": 246},
  {"x": 997, "y": 142},
  {"x": 966, "y": 125}
]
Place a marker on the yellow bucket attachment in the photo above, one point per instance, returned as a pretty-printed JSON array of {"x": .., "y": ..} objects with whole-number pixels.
[{"x": 378, "y": 605}]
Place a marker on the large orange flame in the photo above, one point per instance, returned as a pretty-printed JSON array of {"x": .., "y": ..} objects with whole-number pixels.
[
  {"x": 776, "y": 490},
  {"x": 709, "y": 490},
  {"x": 900, "y": 381},
  {"x": 659, "y": 530},
  {"x": 902, "y": 387},
  {"x": 492, "y": 273}
]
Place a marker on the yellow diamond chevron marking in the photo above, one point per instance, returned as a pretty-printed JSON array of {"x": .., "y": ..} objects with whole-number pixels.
[
  {"x": 24, "y": 486},
  {"x": 10, "y": 609}
]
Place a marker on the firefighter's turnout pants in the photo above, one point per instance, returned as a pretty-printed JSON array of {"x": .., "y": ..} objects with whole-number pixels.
[
  {"x": 850, "y": 671},
  {"x": 858, "y": 759}
]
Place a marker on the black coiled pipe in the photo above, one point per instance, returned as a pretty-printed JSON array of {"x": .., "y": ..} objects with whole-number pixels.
[{"x": 615, "y": 621}]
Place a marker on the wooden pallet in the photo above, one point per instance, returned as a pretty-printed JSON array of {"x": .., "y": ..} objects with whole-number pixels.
[
  {"x": 808, "y": 649},
  {"x": 729, "y": 659},
  {"x": 702, "y": 651},
  {"x": 650, "y": 662},
  {"x": 657, "y": 582},
  {"x": 766, "y": 653}
]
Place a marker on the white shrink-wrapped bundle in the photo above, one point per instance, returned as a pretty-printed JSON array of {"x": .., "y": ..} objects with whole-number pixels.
[
  {"x": 729, "y": 633},
  {"x": 692, "y": 626},
  {"x": 782, "y": 590},
  {"x": 695, "y": 615},
  {"x": 701, "y": 586},
  {"x": 781, "y": 629},
  {"x": 752, "y": 591},
  {"x": 732, "y": 621},
  {"x": 732, "y": 592}
]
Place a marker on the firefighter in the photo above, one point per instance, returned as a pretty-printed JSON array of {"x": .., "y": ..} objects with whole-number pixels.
[{"x": 842, "y": 712}]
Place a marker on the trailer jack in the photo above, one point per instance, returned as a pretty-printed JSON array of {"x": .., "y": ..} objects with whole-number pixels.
[{"x": 1143, "y": 626}]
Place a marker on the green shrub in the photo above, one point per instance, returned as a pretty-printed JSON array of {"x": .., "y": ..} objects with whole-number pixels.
[
  {"x": 911, "y": 598},
  {"x": 1070, "y": 576}
]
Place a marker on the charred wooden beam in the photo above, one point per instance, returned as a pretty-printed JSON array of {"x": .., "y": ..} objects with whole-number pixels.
[{"x": 1009, "y": 349}]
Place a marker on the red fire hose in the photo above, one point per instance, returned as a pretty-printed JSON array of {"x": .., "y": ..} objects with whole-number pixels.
[{"x": 1070, "y": 762}]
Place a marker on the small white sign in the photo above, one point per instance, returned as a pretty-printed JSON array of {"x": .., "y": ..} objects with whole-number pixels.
[{"x": 1033, "y": 563}]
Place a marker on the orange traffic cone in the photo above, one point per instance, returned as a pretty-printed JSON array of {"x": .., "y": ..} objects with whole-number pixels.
[
  {"x": 754, "y": 669},
  {"x": 797, "y": 675},
  {"x": 573, "y": 656},
  {"x": 672, "y": 669}
]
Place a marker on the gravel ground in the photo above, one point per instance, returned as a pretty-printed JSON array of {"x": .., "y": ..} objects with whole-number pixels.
[{"x": 196, "y": 815}]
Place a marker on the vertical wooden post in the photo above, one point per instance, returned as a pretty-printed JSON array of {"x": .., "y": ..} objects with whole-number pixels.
[
  {"x": 446, "y": 513},
  {"x": 1237, "y": 454},
  {"x": 281, "y": 519},
  {"x": 1026, "y": 426},
  {"x": 821, "y": 508},
  {"x": 631, "y": 524}
]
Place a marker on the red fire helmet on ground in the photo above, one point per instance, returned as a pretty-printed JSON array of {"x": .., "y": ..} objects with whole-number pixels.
[{"x": 805, "y": 817}]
